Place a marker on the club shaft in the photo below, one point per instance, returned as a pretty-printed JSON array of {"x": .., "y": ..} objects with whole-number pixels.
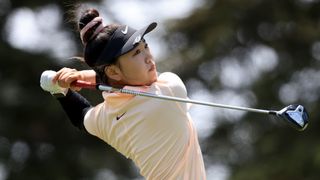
[
  {"x": 177, "y": 99},
  {"x": 169, "y": 98}
]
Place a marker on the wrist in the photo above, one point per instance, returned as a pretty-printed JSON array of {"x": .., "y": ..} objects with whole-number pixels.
[
  {"x": 60, "y": 94},
  {"x": 88, "y": 76}
]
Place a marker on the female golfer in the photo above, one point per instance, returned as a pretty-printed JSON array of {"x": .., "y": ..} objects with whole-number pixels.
[{"x": 159, "y": 136}]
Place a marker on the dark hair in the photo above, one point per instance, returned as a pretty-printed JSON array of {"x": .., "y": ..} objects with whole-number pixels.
[{"x": 95, "y": 45}]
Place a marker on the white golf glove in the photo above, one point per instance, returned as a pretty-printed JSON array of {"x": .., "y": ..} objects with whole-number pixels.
[{"x": 47, "y": 84}]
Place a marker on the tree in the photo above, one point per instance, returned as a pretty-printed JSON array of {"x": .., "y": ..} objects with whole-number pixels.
[
  {"x": 230, "y": 33},
  {"x": 263, "y": 53}
]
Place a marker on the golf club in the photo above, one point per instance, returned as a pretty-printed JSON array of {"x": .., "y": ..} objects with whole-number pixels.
[{"x": 295, "y": 115}]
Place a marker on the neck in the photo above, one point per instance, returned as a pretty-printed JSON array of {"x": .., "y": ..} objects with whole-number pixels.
[{"x": 116, "y": 84}]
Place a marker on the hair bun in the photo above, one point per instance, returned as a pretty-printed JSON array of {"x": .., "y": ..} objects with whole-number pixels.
[{"x": 90, "y": 24}]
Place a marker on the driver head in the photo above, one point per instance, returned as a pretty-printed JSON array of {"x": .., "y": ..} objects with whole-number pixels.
[{"x": 296, "y": 115}]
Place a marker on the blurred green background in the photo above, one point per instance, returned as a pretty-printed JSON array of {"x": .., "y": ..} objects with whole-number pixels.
[{"x": 256, "y": 53}]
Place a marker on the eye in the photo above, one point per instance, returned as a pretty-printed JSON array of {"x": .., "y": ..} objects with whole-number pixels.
[
  {"x": 146, "y": 46},
  {"x": 137, "y": 52}
]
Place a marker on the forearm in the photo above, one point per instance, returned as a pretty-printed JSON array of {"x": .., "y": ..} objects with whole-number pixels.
[
  {"x": 76, "y": 107},
  {"x": 89, "y": 76}
]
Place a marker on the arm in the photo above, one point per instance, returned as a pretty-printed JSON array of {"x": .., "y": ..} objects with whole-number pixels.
[
  {"x": 58, "y": 84},
  {"x": 76, "y": 107}
]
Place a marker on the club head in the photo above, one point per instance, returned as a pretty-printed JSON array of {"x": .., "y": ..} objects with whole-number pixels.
[{"x": 295, "y": 115}]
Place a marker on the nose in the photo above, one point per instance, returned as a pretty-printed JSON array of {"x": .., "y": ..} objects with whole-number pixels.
[
  {"x": 148, "y": 57},
  {"x": 148, "y": 60}
]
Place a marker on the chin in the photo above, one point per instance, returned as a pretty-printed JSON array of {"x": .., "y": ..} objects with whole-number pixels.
[
  {"x": 153, "y": 80},
  {"x": 155, "y": 76}
]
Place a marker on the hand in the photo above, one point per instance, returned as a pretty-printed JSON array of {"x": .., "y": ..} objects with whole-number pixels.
[
  {"x": 66, "y": 76},
  {"x": 47, "y": 84}
]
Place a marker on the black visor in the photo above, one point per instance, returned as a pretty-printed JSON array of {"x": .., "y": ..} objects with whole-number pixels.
[{"x": 123, "y": 40}]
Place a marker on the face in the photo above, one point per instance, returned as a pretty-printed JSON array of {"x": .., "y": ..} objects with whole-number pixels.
[{"x": 137, "y": 67}]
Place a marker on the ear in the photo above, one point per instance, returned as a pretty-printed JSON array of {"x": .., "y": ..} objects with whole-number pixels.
[{"x": 113, "y": 72}]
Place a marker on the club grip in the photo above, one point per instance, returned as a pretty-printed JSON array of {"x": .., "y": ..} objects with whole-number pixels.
[{"x": 84, "y": 84}]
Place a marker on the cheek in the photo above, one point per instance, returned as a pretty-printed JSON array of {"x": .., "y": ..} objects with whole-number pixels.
[{"x": 134, "y": 70}]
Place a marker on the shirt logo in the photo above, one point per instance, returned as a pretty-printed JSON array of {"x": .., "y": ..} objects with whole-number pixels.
[
  {"x": 119, "y": 117},
  {"x": 125, "y": 31}
]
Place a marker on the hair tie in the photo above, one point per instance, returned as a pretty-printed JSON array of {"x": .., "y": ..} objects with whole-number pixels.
[{"x": 92, "y": 23}]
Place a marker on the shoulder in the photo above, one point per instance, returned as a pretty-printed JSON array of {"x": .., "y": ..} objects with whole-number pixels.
[
  {"x": 91, "y": 119},
  {"x": 174, "y": 82},
  {"x": 169, "y": 76}
]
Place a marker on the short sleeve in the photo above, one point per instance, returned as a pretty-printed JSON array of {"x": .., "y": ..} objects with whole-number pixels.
[{"x": 90, "y": 120}]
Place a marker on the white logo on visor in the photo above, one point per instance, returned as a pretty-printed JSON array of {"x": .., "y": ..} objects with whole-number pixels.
[
  {"x": 137, "y": 39},
  {"x": 125, "y": 30}
]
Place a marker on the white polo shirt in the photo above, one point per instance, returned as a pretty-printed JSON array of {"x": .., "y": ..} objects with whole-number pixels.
[{"x": 158, "y": 135}]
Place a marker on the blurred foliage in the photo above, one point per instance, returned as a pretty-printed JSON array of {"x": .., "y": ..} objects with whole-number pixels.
[
  {"x": 232, "y": 28},
  {"x": 38, "y": 142}
]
